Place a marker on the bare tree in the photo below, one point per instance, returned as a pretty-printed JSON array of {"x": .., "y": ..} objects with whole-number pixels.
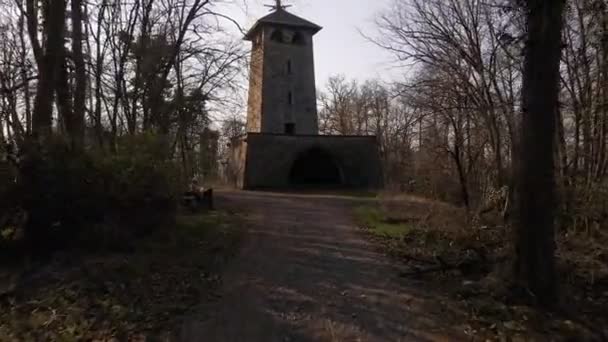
[
  {"x": 49, "y": 60},
  {"x": 535, "y": 240},
  {"x": 77, "y": 123}
]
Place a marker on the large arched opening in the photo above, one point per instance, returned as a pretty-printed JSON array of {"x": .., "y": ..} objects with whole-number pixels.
[{"x": 315, "y": 168}]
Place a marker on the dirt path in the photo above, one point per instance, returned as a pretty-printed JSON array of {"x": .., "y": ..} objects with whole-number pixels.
[{"x": 306, "y": 274}]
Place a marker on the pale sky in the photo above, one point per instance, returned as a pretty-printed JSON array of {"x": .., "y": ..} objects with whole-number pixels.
[{"x": 339, "y": 47}]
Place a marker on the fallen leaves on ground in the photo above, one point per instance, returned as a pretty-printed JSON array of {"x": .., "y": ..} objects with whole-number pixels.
[
  {"x": 436, "y": 244},
  {"x": 123, "y": 296}
]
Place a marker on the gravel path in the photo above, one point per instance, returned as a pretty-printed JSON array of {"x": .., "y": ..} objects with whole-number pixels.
[{"x": 306, "y": 274}]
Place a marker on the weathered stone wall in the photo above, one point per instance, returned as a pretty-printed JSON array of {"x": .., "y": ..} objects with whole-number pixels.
[
  {"x": 279, "y": 82},
  {"x": 271, "y": 82},
  {"x": 235, "y": 171},
  {"x": 269, "y": 159},
  {"x": 256, "y": 72}
]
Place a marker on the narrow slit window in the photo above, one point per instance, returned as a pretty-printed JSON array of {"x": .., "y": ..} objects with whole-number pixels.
[
  {"x": 289, "y": 66},
  {"x": 290, "y": 128},
  {"x": 290, "y": 98}
]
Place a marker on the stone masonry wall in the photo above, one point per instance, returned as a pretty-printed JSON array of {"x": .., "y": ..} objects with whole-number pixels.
[
  {"x": 256, "y": 72},
  {"x": 269, "y": 159},
  {"x": 278, "y": 82}
]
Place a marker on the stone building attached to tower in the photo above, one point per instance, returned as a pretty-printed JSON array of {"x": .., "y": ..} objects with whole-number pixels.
[{"x": 282, "y": 147}]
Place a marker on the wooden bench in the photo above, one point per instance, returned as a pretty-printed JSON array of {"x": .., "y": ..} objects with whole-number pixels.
[{"x": 195, "y": 201}]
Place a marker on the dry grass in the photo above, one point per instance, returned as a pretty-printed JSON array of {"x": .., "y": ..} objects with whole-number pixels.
[
  {"x": 429, "y": 235},
  {"x": 431, "y": 232}
]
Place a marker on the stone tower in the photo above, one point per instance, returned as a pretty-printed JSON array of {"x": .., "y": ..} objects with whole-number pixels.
[
  {"x": 282, "y": 94},
  {"x": 282, "y": 147}
]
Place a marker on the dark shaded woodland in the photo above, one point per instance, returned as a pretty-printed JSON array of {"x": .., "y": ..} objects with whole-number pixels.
[{"x": 105, "y": 108}]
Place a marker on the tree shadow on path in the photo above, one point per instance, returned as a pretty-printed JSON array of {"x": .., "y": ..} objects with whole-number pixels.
[{"x": 306, "y": 274}]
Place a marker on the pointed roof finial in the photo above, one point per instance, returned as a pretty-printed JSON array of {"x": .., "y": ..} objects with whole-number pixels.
[
  {"x": 278, "y": 6},
  {"x": 282, "y": 18}
]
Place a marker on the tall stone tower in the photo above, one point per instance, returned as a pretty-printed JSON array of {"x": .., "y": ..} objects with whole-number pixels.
[
  {"x": 282, "y": 94},
  {"x": 282, "y": 147}
]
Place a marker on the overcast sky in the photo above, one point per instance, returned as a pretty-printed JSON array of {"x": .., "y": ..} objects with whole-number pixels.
[{"x": 339, "y": 47}]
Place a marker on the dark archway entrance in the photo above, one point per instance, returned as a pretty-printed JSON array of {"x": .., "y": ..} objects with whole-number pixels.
[{"x": 315, "y": 168}]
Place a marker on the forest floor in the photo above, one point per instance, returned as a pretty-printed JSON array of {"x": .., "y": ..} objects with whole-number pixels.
[
  {"x": 438, "y": 246},
  {"x": 341, "y": 268},
  {"x": 305, "y": 267},
  {"x": 129, "y": 295},
  {"x": 306, "y": 273}
]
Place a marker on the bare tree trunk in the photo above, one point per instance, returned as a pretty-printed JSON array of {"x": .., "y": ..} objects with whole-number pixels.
[
  {"x": 603, "y": 97},
  {"x": 99, "y": 63},
  {"x": 49, "y": 64},
  {"x": 32, "y": 28},
  {"x": 77, "y": 124},
  {"x": 534, "y": 267},
  {"x": 24, "y": 75},
  {"x": 137, "y": 87},
  {"x": 2, "y": 134},
  {"x": 64, "y": 96}
]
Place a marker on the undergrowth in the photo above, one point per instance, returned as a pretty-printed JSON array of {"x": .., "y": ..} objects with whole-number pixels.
[
  {"x": 437, "y": 244},
  {"x": 373, "y": 219},
  {"x": 424, "y": 233},
  {"x": 57, "y": 197},
  {"x": 124, "y": 295}
]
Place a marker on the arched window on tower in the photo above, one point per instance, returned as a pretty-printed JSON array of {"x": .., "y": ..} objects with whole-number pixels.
[
  {"x": 298, "y": 39},
  {"x": 277, "y": 36}
]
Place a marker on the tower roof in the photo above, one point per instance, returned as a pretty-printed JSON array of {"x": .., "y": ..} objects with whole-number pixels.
[{"x": 281, "y": 17}]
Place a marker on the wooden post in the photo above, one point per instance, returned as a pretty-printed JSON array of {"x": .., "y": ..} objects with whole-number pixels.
[{"x": 208, "y": 198}]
